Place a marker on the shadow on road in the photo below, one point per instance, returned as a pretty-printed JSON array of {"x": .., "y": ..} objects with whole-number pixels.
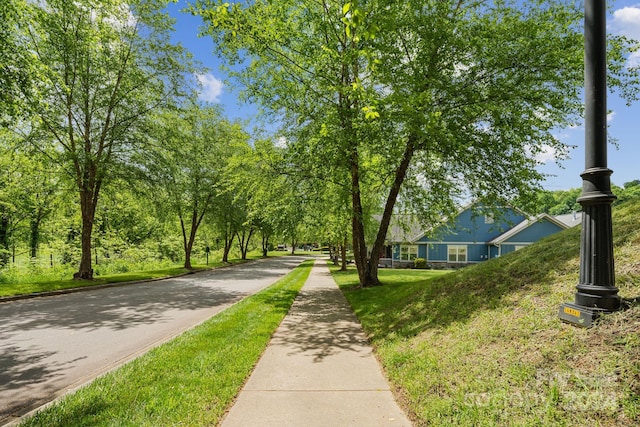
[
  {"x": 25, "y": 368},
  {"x": 124, "y": 307},
  {"x": 116, "y": 308}
]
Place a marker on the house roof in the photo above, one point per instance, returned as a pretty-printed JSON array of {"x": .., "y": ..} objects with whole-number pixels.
[
  {"x": 403, "y": 228},
  {"x": 526, "y": 224},
  {"x": 407, "y": 229},
  {"x": 464, "y": 208},
  {"x": 571, "y": 220}
]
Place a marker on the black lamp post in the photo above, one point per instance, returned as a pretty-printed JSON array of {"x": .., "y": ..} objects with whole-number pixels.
[{"x": 596, "y": 291}]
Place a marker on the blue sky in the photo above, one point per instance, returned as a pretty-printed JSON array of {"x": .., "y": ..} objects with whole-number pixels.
[{"x": 624, "y": 121}]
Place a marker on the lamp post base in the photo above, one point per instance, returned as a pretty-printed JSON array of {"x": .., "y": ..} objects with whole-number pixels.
[{"x": 579, "y": 315}]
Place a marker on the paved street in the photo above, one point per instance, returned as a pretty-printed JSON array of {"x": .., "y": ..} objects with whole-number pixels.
[{"x": 50, "y": 345}]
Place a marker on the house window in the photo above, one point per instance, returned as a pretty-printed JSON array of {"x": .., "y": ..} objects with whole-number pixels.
[
  {"x": 457, "y": 253},
  {"x": 408, "y": 252}
]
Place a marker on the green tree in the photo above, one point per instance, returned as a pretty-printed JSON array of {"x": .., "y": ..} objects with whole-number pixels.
[
  {"x": 279, "y": 198},
  {"x": 126, "y": 220},
  {"x": 242, "y": 222},
  {"x": 630, "y": 191},
  {"x": 227, "y": 219},
  {"x": 435, "y": 99},
  {"x": 28, "y": 189},
  {"x": 185, "y": 163},
  {"x": 258, "y": 179},
  {"x": 16, "y": 69},
  {"x": 41, "y": 186},
  {"x": 104, "y": 67},
  {"x": 232, "y": 215},
  {"x": 333, "y": 210},
  {"x": 9, "y": 190}
]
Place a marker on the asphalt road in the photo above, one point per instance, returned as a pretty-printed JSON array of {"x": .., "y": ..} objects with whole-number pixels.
[{"x": 50, "y": 345}]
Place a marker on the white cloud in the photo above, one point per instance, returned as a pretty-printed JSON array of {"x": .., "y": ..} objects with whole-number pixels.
[
  {"x": 634, "y": 60},
  {"x": 626, "y": 22},
  {"x": 546, "y": 154},
  {"x": 611, "y": 116},
  {"x": 211, "y": 87},
  {"x": 122, "y": 18}
]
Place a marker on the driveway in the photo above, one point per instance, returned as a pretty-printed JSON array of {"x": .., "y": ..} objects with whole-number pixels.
[{"x": 50, "y": 345}]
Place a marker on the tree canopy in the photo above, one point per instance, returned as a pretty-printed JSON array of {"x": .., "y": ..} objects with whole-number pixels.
[
  {"x": 103, "y": 66},
  {"x": 184, "y": 163},
  {"x": 428, "y": 101},
  {"x": 383, "y": 108}
]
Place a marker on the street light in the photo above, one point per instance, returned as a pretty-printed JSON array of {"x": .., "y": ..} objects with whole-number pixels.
[{"x": 596, "y": 291}]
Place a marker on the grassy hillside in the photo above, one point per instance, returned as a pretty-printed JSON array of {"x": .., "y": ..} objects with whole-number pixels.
[{"x": 484, "y": 345}]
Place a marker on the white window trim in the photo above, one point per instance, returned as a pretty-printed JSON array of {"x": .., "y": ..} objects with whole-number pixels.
[
  {"x": 458, "y": 249},
  {"x": 411, "y": 250}
]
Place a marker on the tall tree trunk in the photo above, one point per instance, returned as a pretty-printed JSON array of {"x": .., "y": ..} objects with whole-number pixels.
[
  {"x": 187, "y": 258},
  {"x": 244, "y": 242},
  {"x": 4, "y": 237},
  {"x": 88, "y": 201},
  {"x": 228, "y": 241},
  {"x": 368, "y": 264},
  {"x": 227, "y": 248},
  {"x": 187, "y": 243},
  {"x": 357, "y": 224},
  {"x": 34, "y": 236},
  {"x": 343, "y": 253},
  {"x": 246, "y": 245},
  {"x": 348, "y": 111},
  {"x": 196, "y": 220},
  {"x": 401, "y": 173},
  {"x": 265, "y": 244}
]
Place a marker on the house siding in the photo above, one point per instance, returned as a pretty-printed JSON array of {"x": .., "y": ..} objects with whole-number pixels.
[
  {"x": 534, "y": 231},
  {"x": 529, "y": 235},
  {"x": 494, "y": 251},
  {"x": 468, "y": 229},
  {"x": 437, "y": 252},
  {"x": 506, "y": 248},
  {"x": 471, "y": 230}
]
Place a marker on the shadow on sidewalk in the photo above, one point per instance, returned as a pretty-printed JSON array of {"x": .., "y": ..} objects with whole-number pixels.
[{"x": 322, "y": 324}]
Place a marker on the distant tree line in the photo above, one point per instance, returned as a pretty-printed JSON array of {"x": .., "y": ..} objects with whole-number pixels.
[{"x": 560, "y": 202}]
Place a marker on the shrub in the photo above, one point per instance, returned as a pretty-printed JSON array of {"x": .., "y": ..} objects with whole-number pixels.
[{"x": 420, "y": 263}]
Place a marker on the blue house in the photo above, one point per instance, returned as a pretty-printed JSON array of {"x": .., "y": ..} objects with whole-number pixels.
[{"x": 470, "y": 237}]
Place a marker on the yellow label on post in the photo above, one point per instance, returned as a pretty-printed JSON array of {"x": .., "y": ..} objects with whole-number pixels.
[{"x": 572, "y": 311}]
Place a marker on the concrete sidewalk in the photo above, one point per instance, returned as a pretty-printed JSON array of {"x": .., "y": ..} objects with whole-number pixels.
[{"x": 318, "y": 369}]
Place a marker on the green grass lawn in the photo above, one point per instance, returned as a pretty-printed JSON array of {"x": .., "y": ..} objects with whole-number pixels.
[
  {"x": 37, "y": 285},
  {"x": 483, "y": 346},
  {"x": 190, "y": 380}
]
